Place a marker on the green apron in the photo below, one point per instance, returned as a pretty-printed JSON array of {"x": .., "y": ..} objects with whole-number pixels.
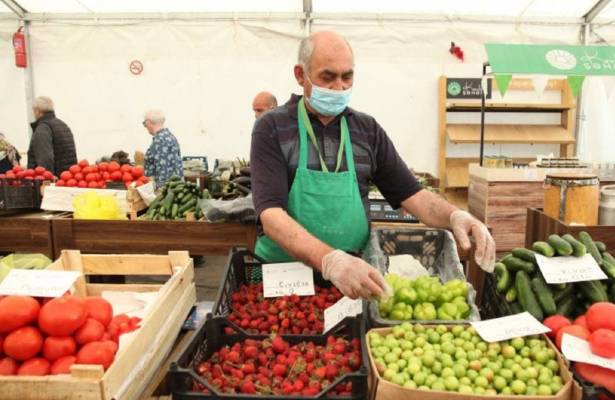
[{"x": 327, "y": 204}]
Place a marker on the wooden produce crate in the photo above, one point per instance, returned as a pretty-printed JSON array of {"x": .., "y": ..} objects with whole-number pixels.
[
  {"x": 26, "y": 232},
  {"x": 540, "y": 226},
  {"x": 137, "y": 361},
  {"x": 380, "y": 389},
  {"x": 151, "y": 237}
]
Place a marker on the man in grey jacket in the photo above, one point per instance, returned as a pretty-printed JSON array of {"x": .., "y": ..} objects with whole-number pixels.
[{"x": 52, "y": 145}]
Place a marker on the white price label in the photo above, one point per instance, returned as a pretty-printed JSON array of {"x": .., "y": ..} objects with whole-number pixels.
[
  {"x": 284, "y": 279},
  {"x": 344, "y": 307},
  {"x": 569, "y": 269},
  {"x": 577, "y": 349},
  {"x": 512, "y": 326},
  {"x": 38, "y": 283}
]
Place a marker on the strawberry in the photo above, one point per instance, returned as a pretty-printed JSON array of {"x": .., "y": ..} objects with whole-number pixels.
[
  {"x": 279, "y": 345},
  {"x": 331, "y": 371},
  {"x": 279, "y": 370},
  {"x": 250, "y": 351},
  {"x": 248, "y": 388}
]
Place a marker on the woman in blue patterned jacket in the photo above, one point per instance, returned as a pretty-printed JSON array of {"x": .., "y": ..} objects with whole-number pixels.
[{"x": 163, "y": 158}]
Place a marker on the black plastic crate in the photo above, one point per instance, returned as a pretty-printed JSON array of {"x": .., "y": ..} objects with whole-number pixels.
[
  {"x": 492, "y": 303},
  {"x": 212, "y": 335},
  {"x": 20, "y": 193},
  {"x": 244, "y": 267},
  {"x": 591, "y": 391},
  {"x": 432, "y": 248}
]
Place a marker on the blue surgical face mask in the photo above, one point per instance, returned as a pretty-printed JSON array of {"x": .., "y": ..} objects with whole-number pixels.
[{"x": 328, "y": 102}]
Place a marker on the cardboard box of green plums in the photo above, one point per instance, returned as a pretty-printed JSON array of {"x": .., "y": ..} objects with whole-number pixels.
[{"x": 437, "y": 372}]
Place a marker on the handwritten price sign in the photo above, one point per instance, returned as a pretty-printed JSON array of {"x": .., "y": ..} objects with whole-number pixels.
[
  {"x": 345, "y": 307},
  {"x": 569, "y": 269},
  {"x": 518, "y": 325},
  {"x": 284, "y": 279}
]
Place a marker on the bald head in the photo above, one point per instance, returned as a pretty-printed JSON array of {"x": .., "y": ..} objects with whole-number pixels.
[
  {"x": 322, "y": 44},
  {"x": 264, "y": 101}
]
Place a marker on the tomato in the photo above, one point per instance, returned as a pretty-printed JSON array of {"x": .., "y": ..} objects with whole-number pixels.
[
  {"x": 8, "y": 366},
  {"x": 574, "y": 330},
  {"x": 116, "y": 176},
  {"x": 103, "y": 166},
  {"x": 90, "y": 177},
  {"x": 62, "y": 365},
  {"x": 127, "y": 177},
  {"x": 113, "y": 330},
  {"x": 74, "y": 169},
  {"x": 62, "y": 316},
  {"x": 79, "y": 176},
  {"x": 600, "y": 315},
  {"x": 56, "y": 347},
  {"x": 23, "y": 343},
  {"x": 597, "y": 375},
  {"x": 99, "y": 309},
  {"x": 555, "y": 322},
  {"x": 126, "y": 168},
  {"x": 93, "y": 185},
  {"x": 10, "y": 175},
  {"x": 40, "y": 170},
  {"x": 17, "y": 311},
  {"x": 82, "y": 184},
  {"x": 87, "y": 170},
  {"x": 29, "y": 172},
  {"x": 21, "y": 174},
  {"x": 66, "y": 175},
  {"x": 60, "y": 183},
  {"x": 91, "y": 331},
  {"x": 602, "y": 342},
  {"x": 113, "y": 166},
  {"x": 48, "y": 175},
  {"x": 17, "y": 169},
  {"x": 83, "y": 163},
  {"x": 71, "y": 183},
  {"x": 581, "y": 321},
  {"x": 96, "y": 353},
  {"x": 106, "y": 176},
  {"x": 119, "y": 319},
  {"x": 137, "y": 172},
  {"x": 34, "y": 366}
]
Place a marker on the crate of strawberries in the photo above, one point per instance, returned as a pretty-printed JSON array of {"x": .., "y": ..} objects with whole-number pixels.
[
  {"x": 218, "y": 365},
  {"x": 21, "y": 188},
  {"x": 240, "y": 299}
]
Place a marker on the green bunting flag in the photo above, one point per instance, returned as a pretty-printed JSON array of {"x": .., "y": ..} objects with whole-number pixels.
[
  {"x": 575, "y": 82},
  {"x": 503, "y": 81}
]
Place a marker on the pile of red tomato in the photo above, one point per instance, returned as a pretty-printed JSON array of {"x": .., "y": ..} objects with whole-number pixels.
[
  {"x": 47, "y": 336},
  {"x": 97, "y": 176},
  {"x": 15, "y": 175}
]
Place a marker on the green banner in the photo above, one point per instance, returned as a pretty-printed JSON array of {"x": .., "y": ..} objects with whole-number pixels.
[
  {"x": 503, "y": 81},
  {"x": 575, "y": 82},
  {"x": 551, "y": 59}
]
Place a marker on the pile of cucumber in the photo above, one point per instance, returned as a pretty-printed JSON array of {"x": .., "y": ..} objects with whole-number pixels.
[
  {"x": 521, "y": 286},
  {"x": 176, "y": 199}
]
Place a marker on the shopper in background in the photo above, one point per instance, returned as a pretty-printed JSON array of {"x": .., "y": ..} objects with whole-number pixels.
[
  {"x": 163, "y": 157},
  {"x": 9, "y": 156},
  {"x": 263, "y": 102},
  {"x": 312, "y": 161},
  {"x": 52, "y": 145}
]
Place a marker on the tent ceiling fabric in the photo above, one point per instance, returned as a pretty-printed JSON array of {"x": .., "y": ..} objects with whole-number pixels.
[{"x": 510, "y": 8}]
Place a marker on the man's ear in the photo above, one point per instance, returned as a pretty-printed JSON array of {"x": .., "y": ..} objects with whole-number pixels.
[{"x": 299, "y": 75}]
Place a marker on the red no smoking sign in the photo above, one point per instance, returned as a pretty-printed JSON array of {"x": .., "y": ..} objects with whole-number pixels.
[{"x": 136, "y": 67}]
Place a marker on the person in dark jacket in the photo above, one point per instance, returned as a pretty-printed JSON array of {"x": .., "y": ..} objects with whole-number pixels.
[{"x": 52, "y": 145}]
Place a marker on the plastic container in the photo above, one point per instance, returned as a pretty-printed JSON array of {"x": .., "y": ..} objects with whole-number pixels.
[
  {"x": 607, "y": 205},
  {"x": 210, "y": 337},
  {"x": 572, "y": 198},
  {"x": 591, "y": 391},
  {"x": 435, "y": 249},
  {"x": 26, "y": 195},
  {"x": 492, "y": 304}
]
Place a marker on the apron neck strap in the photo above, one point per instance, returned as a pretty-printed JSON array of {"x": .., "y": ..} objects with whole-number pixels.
[{"x": 305, "y": 129}]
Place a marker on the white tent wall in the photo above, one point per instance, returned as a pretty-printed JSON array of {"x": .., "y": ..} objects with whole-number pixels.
[
  {"x": 13, "y": 118},
  {"x": 203, "y": 75}
]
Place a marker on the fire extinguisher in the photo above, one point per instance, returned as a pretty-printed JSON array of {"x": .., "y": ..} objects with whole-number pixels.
[{"x": 19, "y": 44}]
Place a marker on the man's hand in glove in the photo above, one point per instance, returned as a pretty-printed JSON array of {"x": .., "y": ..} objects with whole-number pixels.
[
  {"x": 464, "y": 224},
  {"x": 354, "y": 277}
]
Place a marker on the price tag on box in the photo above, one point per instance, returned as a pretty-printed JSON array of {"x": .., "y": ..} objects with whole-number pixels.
[
  {"x": 512, "y": 326},
  {"x": 569, "y": 269},
  {"x": 284, "y": 279},
  {"x": 38, "y": 283},
  {"x": 344, "y": 307},
  {"x": 577, "y": 349}
]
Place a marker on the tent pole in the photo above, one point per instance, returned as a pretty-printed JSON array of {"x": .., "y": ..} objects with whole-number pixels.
[
  {"x": 482, "y": 116},
  {"x": 307, "y": 12},
  {"x": 28, "y": 79},
  {"x": 15, "y": 7}
]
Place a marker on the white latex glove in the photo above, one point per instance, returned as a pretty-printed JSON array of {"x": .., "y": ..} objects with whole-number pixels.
[
  {"x": 354, "y": 277},
  {"x": 463, "y": 224}
]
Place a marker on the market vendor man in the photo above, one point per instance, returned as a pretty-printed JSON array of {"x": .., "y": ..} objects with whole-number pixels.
[{"x": 312, "y": 161}]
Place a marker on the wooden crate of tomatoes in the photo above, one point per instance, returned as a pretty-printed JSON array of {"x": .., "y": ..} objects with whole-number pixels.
[{"x": 69, "y": 347}]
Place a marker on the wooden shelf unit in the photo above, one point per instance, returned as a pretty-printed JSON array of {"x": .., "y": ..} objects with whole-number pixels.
[{"x": 453, "y": 171}]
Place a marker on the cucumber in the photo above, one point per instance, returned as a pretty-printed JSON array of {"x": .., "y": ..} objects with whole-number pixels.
[
  {"x": 526, "y": 296},
  {"x": 515, "y": 264},
  {"x": 608, "y": 265},
  {"x": 593, "y": 291},
  {"x": 524, "y": 254},
  {"x": 559, "y": 286},
  {"x": 562, "y": 247},
  {"x": 563, "y": 294},
  {"x": 543, "y": 248},
  {"x": 544, "y": 295},
  {"x": 187, "y": 206},
  {"x": 511, "y": 295},
  {"x": 515, "y": 308},
  {"x": 174, "y": 209},
  {"x": 566, "y": 307},
  {"x": 505, "y": 256},
  {"x": 168, "y": 200},
  {"x": 186, "y": 199},
  {"x": 504, "y": 281},
  {"x": 591, "y": 246},
  {"x": 579, "y": 249},
  {"x": 600, "y": 246},
  {"x": 611, "y": 293}
]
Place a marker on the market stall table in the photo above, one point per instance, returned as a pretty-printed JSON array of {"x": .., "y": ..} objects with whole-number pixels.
[{"x": 26, "y": 232}]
